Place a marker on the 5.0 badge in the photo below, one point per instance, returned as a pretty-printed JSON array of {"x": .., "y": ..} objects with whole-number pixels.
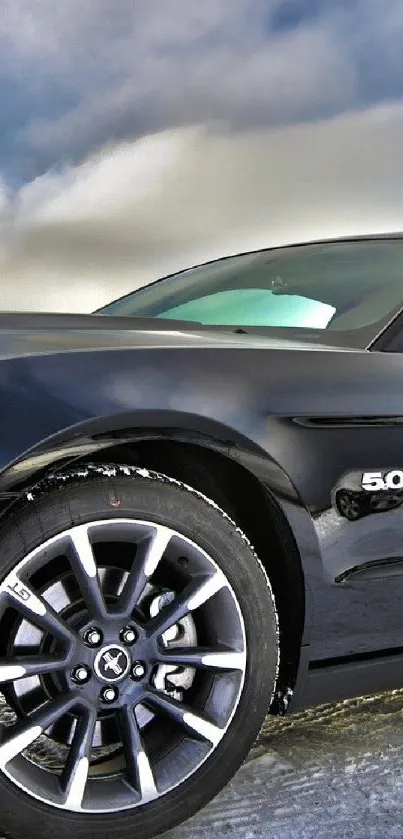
[{"x": 377, "y": 481}]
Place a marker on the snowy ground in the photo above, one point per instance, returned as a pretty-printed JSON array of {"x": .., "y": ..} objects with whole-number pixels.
[{"x": 331, "y": 773}]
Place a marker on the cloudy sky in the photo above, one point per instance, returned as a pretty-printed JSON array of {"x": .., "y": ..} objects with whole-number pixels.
[{"x": 141, "y": 136}]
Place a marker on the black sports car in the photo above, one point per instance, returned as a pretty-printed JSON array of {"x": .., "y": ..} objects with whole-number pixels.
[{"x": 201, "y": 493}]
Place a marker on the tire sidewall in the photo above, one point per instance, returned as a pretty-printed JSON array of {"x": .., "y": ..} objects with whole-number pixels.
[{"x": 156, "y": 499}]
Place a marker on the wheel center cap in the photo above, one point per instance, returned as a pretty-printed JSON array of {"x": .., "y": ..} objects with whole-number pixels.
[{"x": 112, "y": 663}]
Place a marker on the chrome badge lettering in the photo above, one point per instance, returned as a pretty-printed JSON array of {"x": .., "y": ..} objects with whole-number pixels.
[{"x": 378, "y": 481}]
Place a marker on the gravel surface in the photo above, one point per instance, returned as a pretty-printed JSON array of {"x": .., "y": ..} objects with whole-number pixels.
[{"x": 332, "y": 772}]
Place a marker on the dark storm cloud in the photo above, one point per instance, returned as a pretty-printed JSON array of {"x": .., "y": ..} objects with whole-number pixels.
[{"x": 77, "y": 74}]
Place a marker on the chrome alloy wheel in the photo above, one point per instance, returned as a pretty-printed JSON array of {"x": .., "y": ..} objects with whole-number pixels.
[{"x": 125, "y": 661}]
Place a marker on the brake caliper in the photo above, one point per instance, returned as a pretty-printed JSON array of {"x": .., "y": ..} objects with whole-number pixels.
[{"x": 170, "y": 678}]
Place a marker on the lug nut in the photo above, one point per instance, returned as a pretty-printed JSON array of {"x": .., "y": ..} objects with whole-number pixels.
[
  {"x": 128, "y": 635},
  {"x": 109, "y": 694},
  {"x": 93, "y": 637},
  {"x": 81, "y": 674},
  {"x": 138, "y": 670}
]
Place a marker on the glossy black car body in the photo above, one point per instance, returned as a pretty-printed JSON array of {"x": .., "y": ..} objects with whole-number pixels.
[{"x": 279, "y": 431}]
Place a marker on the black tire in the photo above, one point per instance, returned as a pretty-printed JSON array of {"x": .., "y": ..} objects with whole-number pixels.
[{"x": 111, "y": 492}]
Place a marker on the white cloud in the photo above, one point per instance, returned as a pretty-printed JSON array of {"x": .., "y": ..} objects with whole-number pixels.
[
  {"x": 106, "y": 183},
  {"x": 73, "y": 240}
]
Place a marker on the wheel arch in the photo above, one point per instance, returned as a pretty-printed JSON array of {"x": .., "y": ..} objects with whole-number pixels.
[{"x": 233, "y": 476}]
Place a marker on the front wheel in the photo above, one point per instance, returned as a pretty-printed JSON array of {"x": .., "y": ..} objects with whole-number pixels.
[{"x": 138, "y": 655}]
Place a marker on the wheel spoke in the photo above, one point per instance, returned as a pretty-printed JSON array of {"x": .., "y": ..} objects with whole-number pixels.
[
  {"x": 75, "y": 773},
  {"x": 139, "y": 773},
  {"x": 149, "y": 554},
  {"x": 85, "y": 570},
  {"x": 197, "y": 593},
  {"x": 34, "y": 608},
  {"x": 205, "y": 659},
  {"x": 185, "y": 716},
  {"x": 16, "y": 667},
  {"x": 17, "y": 737}
]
